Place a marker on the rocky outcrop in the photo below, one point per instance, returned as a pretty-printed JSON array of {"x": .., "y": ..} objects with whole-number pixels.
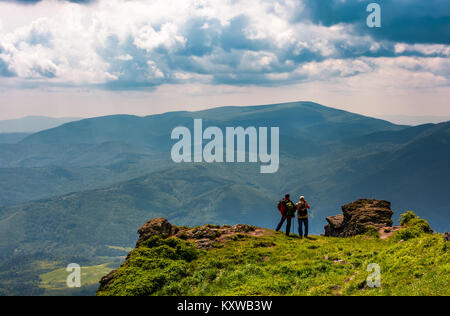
[
  {"x": 359, "y": 215},
  {"x": 447, "y": 236},
  {"x": 204, "y": 232},
  {"x": 205, "y": 237},
  {"x": 155, "y": 227},
  {"x": 336, "y": 223},
  {"x": 106, "y": 280}
]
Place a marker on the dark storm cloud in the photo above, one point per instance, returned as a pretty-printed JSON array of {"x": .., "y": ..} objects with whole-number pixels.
[
  {"x": 220, "y": 51},
  {"x": 409, "y": 21}
]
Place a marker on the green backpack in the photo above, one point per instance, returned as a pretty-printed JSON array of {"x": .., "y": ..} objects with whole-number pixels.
[{"x": 290, "y": 209}]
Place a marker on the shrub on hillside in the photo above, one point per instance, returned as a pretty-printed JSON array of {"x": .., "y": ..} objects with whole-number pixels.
[
  {"x": 372, "y": 231},
  {"x": 407, "y": 217},
  {"x": 410, "y": 219},
  {"x": 414, "y": 226},
  {"x": 407, "y": 234}
]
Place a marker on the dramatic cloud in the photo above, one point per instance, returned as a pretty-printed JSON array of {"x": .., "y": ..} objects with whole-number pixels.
[
  {"x": 127, "y": 45},
  {"x": 410, "y": 21}
]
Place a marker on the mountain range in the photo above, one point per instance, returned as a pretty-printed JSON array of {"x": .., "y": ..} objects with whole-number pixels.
[
  {"x": 84, "y": 186},
  {"x": 33, "y": 124},
  {"x": 415, "y": 119}
]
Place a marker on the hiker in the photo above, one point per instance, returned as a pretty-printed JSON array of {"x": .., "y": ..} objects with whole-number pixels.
[
  {"x": 287, "y": 210},
  {"x": 302, "y": 213}
]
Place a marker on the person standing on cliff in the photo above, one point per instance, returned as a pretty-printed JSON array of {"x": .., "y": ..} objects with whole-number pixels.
[
  {"x": 287, "y": 210},
  {"x": 302, "y": 213}
]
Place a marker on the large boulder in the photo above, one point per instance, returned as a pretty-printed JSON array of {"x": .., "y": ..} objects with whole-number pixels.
[{"x": 357, "y": 216}]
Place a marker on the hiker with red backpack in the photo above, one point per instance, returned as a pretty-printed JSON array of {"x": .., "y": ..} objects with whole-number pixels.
[
  {"x": 302, "y": 213},
  {"x": 287, "y": 210}
]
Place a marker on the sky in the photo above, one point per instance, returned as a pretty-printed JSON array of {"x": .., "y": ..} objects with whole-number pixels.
[{"x": 80, "y": 58}]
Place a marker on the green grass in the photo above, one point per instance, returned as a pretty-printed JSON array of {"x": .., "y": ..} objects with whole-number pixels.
[
  {"x": 124, "y": 249},
  {"x": 277, "y": 265},
  {"x": 54, "y": 282}
]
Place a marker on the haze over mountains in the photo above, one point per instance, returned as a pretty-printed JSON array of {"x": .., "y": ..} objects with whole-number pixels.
[
  {"x": 32, "y": 124},
  {"x": 86, "y": 185},
  {"x": 415, "y": 120},
  {"x": 94, "y": 152}
]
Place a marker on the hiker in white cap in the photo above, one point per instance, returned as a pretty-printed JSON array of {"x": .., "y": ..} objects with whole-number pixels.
[{"x": 302, "y": 214}]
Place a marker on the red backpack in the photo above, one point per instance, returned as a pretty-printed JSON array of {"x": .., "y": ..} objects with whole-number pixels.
[{"x": 281, "y": 207}]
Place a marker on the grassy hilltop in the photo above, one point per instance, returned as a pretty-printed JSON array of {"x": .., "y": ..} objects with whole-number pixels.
[{"x": 263, "y": 262}]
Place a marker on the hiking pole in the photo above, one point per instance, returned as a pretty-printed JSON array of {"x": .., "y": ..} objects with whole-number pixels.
[{"x": 293, "y": 224}]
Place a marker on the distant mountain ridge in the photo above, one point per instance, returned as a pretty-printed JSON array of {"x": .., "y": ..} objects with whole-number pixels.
[
  {"x": 123, "y": 146},
  {"x": 33, "y": 124},
  {"x": 415, "y": 120},
  {"x": 309, "y": 119},
  {"x": 12, "y": 138}
]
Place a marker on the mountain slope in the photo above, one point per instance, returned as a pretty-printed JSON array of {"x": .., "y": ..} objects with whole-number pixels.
[
  {"x": 415, "y": 172},
  {"x": 391, "y": 165},
  {"x": 104, "y": 217},
  {"x": 33, "y": 124},
  {"x": 304, "y": 119},
  {"x": 415, "y": 120},
  {"x": 229, "y": 194},
  {"x": 97, "y": 151},
  {"x": 249, "y": 261},
  {"x": 12, "y": 138}
]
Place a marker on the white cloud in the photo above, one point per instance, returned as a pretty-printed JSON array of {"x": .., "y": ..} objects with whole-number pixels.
[
  {"x": 57, "y": 49},
  {"x": 126, "y": 57},
  {"x": 155, "y": 72},
  {"x": 57, "y": 42},
  {"x": 436, "y": 49},
  {"x": 257, "y": 61},
  {"x": 168, "y": 37},
  {"x": 332, "y": 68}
]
